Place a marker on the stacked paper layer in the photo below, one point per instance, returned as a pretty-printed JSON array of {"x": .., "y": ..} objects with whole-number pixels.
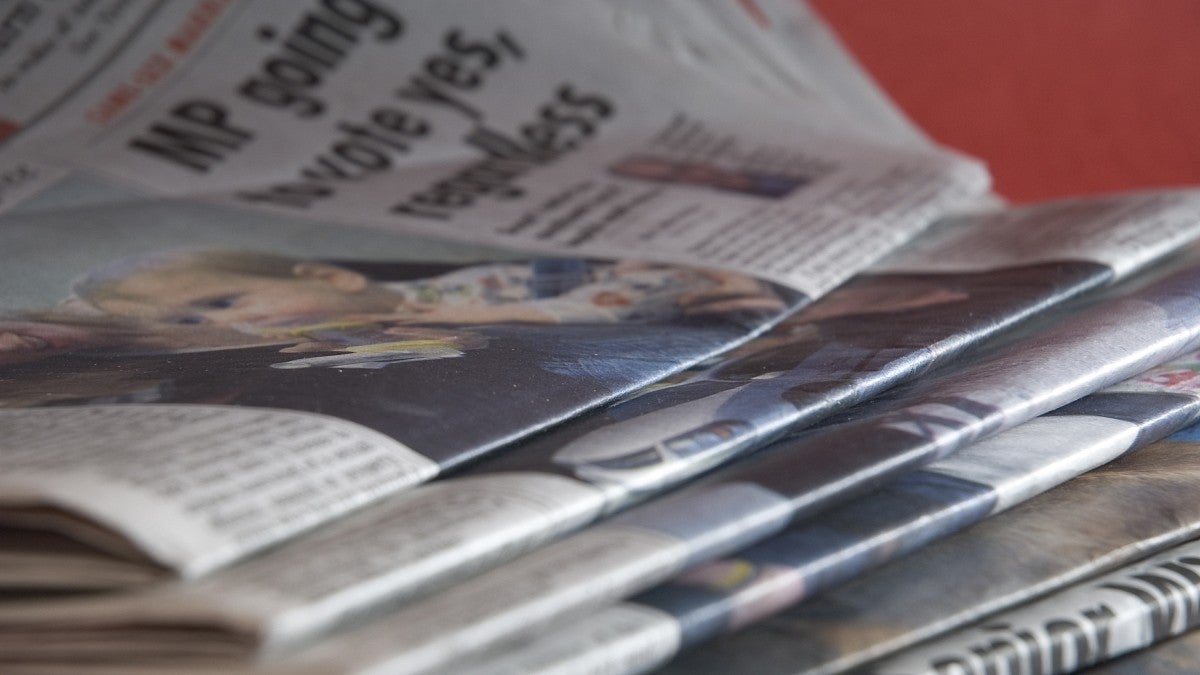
[{"x": 370, "y": 337}]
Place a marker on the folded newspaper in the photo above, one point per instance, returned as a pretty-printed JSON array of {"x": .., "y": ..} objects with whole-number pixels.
[
  {"x": 310, "y": 382},
  {"x": 982, "y": 479},
  {"x": 283, "y": 598},
  {"x": 193, "y": 99},
  {"x": 515, "y": 124},
  {"x": 756, "y": 499},
  {"x": 538, "y": 126},
  {"x": 1117, "y": 613},
  {"x": 1138, "y": 505},
  {"x": 182, "y": 497},
  {"x": 780, "y": 46}
]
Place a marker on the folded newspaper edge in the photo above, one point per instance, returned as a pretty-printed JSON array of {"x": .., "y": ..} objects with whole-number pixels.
[
  {"x": 977, "y": 482},
  {"x": 645, "y": 546},
  {"x": 1122, "y": 233}
]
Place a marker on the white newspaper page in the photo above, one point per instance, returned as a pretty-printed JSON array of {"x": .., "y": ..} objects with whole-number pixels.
[
  {"x": 528, "y": 125},
  {"x": 357, "y": 566},
  {"x": 192, "y": 486},
  {"x": 1123, "y": 231}
]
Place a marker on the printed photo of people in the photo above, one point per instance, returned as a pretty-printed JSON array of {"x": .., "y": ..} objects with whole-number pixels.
[{"x": 404, "y": 347}]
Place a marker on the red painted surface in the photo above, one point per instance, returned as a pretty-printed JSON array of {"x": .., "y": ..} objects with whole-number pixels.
[{"x": 1058, "y": 96}]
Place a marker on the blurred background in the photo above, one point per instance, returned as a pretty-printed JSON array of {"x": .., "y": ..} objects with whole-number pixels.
[{"x": 1058, "y": 96}]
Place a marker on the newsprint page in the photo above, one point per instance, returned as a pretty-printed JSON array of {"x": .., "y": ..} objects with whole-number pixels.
[{"x": 368, "y": 336}]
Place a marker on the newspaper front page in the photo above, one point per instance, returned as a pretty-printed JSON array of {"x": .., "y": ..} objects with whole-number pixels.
[{"x": 530, "y": 125}]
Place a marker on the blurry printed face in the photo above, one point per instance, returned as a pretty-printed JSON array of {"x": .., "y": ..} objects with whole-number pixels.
[
  {"x": 197, "y": 296},
  {"x": 24, "y": 340},
  {"x": 34, "y": 336}
]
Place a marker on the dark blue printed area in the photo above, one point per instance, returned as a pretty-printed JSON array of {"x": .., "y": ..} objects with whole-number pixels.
[
  {"x": 843, "y": 543},
  {"x": 1155, "y": 413},
  {"x": 869, "y": 335}
]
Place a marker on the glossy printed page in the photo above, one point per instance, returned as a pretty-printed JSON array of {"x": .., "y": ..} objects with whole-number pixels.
[
  {"x": 845, "y": 542},
  {"x": 152, "y": 347}
]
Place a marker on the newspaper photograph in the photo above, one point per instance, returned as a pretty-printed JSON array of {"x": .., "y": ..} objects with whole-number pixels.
[
  {"x": 754, "y": 500},
  {"x": 277, "y": 601},
  {"x": 1113, "y": 516}
]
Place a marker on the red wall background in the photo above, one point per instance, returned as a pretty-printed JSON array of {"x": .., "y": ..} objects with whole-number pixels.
[{"x": 1058, "y": 96}]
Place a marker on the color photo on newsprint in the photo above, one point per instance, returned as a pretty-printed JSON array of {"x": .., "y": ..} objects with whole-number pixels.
[
  {"x": 967, "y": 281},
  {"x": 403, "y": 366}
]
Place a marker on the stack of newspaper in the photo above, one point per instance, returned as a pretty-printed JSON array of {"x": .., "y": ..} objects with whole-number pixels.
[{"x": 357, "y": 336}]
